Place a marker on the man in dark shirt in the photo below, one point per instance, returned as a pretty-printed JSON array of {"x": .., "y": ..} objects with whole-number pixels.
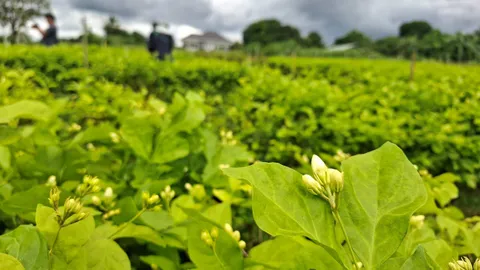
[
  {"x": 50, "y": 35},
  {"x": 160, "y": 43}
]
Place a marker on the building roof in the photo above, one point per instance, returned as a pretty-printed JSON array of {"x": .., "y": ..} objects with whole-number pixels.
[{"x": 208, "y": 36}]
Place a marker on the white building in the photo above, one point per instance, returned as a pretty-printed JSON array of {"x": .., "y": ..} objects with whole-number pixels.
[{"x": 207, "y": 42}]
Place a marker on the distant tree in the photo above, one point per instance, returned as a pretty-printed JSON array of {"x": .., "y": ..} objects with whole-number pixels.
[
  {"x": 415, "y": 28},
  {"x": 269, "y": 31},
  {"x": 16, "y": 13},
  {"x": 113, "y": 28},
  {"x": 236, "y": 46},
  {"x": 313, "y": 40},
  {"x": 138, "y": 38},
  {"x": 355, "y": 36},
  {"x": 390, "y": 46}
]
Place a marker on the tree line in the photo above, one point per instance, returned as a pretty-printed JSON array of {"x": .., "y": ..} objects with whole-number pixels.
[{"x": 272, "y": 37}]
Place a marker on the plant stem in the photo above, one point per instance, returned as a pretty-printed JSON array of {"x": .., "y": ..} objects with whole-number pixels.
[
  {"x": 55, "y": 241},
  {"x": 350, "y": 249},
  {"x": 124, "y": 225}
]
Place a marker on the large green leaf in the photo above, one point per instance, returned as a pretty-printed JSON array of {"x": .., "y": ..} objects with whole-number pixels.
[
  {"x": 293, "y": 253},
  {"x": 8, "y": 262},
  {"x": 69, "y": 240},
  {"x": 5, "y": 157},
  {"x": 419, "y": 260},
  {"x": 28, "y": 109},
  {"x": 27, "y": 245},
  {"x": 440, "y": 252},
  {"x": 26, "y": 201},
  {"x": 164, "y": 262},
  {"x": 382, "y": 191},
  {"x": 170, "y": 148},
  {"x": 158, "y": 220},
  {"x": 138, "y": 132},
  {"x": 98, "y": 133},
  {"x": 108, "y": 231},
  {"x": 105, "y": 254},
  {"x": 283, "y": 206}
]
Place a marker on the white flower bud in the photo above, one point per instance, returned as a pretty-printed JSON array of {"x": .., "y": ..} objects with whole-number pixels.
[
  {"x": 236, "y": 235},
  {"x": 52, "y": 181},
  {"x": 242, "y": 244},
  {"x": 336, "y": 180},
  {"x": 320, "y": 169},
  {"x": 312, "y": 186},
  {"x": 188, "y": 186},
  {"x": 476, "y": 265},
  {"x": 154, "y": 199},
  {"x": 417, "y": 221},
  {"x": 108, "y": 193},
  {"x": 96, "y": 200},
  {"x": 358, "y": 265},
  {"x": 214, "y": 232},
  {"x": 228, "y": 228}
]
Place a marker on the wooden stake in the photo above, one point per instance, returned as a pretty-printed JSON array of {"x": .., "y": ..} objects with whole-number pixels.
[{"x": 412, "y": 65}]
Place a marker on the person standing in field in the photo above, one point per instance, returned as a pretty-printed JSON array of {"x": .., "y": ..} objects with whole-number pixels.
[
  {"x": 160, "y": 42},
  {"x": 49, "y": 36}
]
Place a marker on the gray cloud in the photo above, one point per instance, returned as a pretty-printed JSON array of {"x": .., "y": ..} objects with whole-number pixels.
[{"x": 331, "y": 18}]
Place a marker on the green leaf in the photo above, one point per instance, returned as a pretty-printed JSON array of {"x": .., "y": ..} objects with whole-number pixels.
[
  {"x": 28, "y": 109},
  {"x": 8, "y": 262},
  {"x": 70, "y": 239},
  {"x": 294, "y": 253},
  {"x": 5, "y": 157},
  {"x": 187, "y": 120},
  {"x": 108, "y": 231},
  {"x": 283, "y": 206},
  {"x": 226, "y": 155},
  {"x": 170, "y": 148},
  {"x": 98, "y": 133},
  {"x": 164, "y": 262},
  {"x": 27, "y": 245},
  {"x": 26, "y": 201},
  {"x": 419, "y": 260},
  {"x": 139, "y": 133},
  {"x": 440, "y": 252},
  {"x": 217, "y": 215},
  {"x": 105, "y": 254},
  {"x": 158, "y": 220},
  {"x": 382, "y": 191}
]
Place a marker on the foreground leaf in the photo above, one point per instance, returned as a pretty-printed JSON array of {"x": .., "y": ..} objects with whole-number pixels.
[
  {"x": 28, "y": 246},
  {"x": 105, "y": 254},
  {"x": 283, "y": 206},
  {"x": 70, "y": 239},
  {"x": 28, "y": 109},
  {"x": 8, "y": 262},
  {"x": 293, "y": 253},
  {"x": 382, "y": 191}
]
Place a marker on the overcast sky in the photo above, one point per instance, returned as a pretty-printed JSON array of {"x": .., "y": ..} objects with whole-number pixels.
[{"x": 331, "y": 18}]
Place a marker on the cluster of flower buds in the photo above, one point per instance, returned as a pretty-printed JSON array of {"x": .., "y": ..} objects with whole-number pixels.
[
  {"x": 209, "y": 237},
  {"x": 235, "y": 235},
  {"x": 417, "y": 221},
  {"x": 464, "y": 264},
  {"x": 151, "y": 202},
  {"x": 106, "y": 201},
  {"x": 70, "y": 208},
  {"x": 90, "y": 185},
  {"x": 114, "y": 137},
  {"x": 424, "y": 173},
  {"x": 341, "y": 156},
  {"x": 91, "y": 147},
  {"x": 74, "y": 127},
  {"x": 227, "y": 137},
  {"x": 197, "y": 191},
  {"x": 54, "y": 197},
  {"x": 326, "y": 182},
  {"x": 52, "y": 181},
  {"x": 167, "y": 194},
  {"x": 111, "y": 213},
  {"x": 358, "y": 266}
]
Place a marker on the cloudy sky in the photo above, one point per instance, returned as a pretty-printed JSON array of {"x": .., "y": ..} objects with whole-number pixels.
[{"x": 331, "y": 18}]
